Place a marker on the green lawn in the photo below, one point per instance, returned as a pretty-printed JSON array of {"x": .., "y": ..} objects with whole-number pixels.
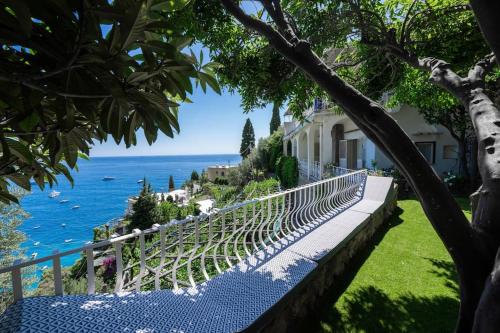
[{"x": 407, "y": 283}]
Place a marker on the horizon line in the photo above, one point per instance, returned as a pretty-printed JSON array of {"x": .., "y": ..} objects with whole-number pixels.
[{"x": 160, "y": 155}]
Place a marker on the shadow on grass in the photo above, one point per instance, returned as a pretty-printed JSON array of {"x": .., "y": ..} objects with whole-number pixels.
[
  {"x": 371, "y": 310},
  {"x": 445, "y": 270},
  {"x": 327, "y": 301}
]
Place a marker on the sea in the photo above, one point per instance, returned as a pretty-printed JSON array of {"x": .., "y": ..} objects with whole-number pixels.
[{"x": 53, "y": 225}]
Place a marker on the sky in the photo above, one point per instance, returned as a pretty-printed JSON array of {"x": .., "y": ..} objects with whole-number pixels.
[{"x": 212, "y": 124}]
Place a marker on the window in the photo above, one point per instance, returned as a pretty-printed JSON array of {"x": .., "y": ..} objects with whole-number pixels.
[
  {"x": 222, "y": 173},
  {"x": 450, "y": 152},
  {"x": 216, "y": 173},
  {"x": 428, "y": 149}
]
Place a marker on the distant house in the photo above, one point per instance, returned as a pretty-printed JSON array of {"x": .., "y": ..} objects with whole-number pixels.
[
  {"x": 327, "y": 138},
  {"x": 219, "y": 171}
]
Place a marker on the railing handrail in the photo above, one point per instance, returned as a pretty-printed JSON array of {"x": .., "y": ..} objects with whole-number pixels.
[{"x": 298, "y": 206}]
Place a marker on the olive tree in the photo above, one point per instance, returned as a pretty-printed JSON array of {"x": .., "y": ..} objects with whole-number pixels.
[{"x": 472, "y": 246}]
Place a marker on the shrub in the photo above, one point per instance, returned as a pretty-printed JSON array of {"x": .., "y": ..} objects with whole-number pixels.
[
  {"x": 221, "y": 181},
  {"x": 195, "y": 176},
  {"x": 170, "y": 211},
  {"x": 261, "y": 188},
  {"x": 146, "y": 212},
  {"x": 287, "y": 169},
  {"x": 235, "y": 178}
]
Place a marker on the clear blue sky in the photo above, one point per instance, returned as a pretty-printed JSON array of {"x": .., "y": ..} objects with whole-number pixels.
[{"x": 212, "y": 124}]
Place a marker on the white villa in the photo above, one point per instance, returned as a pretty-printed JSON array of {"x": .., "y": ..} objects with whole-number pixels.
[{"x": 326, "y": 138}]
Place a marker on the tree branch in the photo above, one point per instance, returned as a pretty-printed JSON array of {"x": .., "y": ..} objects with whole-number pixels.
[
  {"x": 443, "y": 211},
  {"x": 486, "y": 12},
  {"x": 482, "y": 68}
]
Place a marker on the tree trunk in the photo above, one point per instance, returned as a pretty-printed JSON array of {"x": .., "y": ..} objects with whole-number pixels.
[
  {"x": 462, "y": 156},
  {"x": 469, "y": 247}
]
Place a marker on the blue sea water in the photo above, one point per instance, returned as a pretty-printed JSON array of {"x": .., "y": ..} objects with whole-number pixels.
[{"x": 100, "y": 201}]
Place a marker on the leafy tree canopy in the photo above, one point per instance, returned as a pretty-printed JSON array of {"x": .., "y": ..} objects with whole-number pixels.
[
  {"x": 248, "y": 64},
  {"x": 75, "y": 72}
]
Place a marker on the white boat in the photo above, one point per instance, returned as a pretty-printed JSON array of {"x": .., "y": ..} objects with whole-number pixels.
[
  {"x": 36, "y": 243},
  {"x": 88, "y": 242},
  {"x": 108, "y": 178},
  {"x": 68, "y": 240},
  {"x": 54, "y": 194},
  {"x": 140, "y": 181},
  {"x": 64, "y": 201},
  {"x": 63, "y": 225},
  {"x": 36, "y": 227},
  {"x": 45, "y": 267},
  {"x": 34, "y": 255},
  {"x": 75, "y": 207}
]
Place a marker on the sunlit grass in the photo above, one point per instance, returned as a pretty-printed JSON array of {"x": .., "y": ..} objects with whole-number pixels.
[{"x": 407, "y": 283}]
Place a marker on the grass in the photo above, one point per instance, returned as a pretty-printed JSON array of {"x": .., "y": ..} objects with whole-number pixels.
[{"x": 405, "y": 282}]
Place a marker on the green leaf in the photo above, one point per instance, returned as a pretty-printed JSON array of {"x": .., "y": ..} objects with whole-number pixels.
[
  {"x": 28, "y": 123},
  {"x": 170, "y": 5},
  {"x": 7, "y": 198},
  {"x": 69, "y": 149},
  {"x": 19, "y": 149},
  {"x": 21, "y": 181}
]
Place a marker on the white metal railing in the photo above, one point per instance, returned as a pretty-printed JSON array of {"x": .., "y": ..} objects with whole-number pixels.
[
  {"x": 335, "y": 171},
  {"x": 185, "y": 253},
  {"x": 315, "y": 173}
]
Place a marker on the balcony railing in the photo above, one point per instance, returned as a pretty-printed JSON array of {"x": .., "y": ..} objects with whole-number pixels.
[
  {"x": 315, "y": 172},
  {"x": 188, "y": 252}
]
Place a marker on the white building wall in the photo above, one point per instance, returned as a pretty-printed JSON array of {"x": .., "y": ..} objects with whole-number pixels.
[
  {"x": 418, "y": 130},
  {"x": 407, "y": 117}
]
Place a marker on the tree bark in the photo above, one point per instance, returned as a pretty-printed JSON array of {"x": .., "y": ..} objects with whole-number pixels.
[
  {"x": 472, "y": 247},
  {"x": 462, "y": 155},
  {"x": 440, "y": 207}
]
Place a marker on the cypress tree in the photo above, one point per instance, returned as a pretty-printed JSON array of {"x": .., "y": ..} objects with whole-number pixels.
[
  {"x": 247, "y": 139},
  {"x": 171, "y": 184},
  {"x": 275, "y": 119},
  {"x": 194, "y": 175},
  {"x": 146, "y": 212}
]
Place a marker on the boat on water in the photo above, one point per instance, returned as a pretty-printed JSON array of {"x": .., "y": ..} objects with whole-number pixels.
[
  {"x": 88, "y": 242},
  {"x": 68, "y": 240},
  {"x": 140, "y": 181},
  {"x": 63, "y": 225},
  {"x": 36, "y": 227},
  {"x": 34, "y": 255},
  {"x": 45, "y": 267},
  {"x": 54, "y": 194},
  {"x": 107, "y": 178},
  {"x": 36, "y": 243},
  {"x": 64, "y": 201},
  {"x": 75, "y": 207}
]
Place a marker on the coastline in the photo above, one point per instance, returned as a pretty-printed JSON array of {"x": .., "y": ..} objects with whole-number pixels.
[{"x": 100, "y": 201}]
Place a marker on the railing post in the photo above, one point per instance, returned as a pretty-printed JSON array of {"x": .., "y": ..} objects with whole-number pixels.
[
  {"x": 119, "y": 267},
  {"x": 17, "y": 282},
  {"x": 142, "y": 266},
  {"x": 58, "y": 285},
  {"x": 90, "y": 271}
]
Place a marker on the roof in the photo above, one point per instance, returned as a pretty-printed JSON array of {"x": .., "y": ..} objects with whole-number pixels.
[{"x": 222, "y": 166}]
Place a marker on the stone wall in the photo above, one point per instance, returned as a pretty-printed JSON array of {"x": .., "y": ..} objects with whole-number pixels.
[{"x": 298, "y": 304}]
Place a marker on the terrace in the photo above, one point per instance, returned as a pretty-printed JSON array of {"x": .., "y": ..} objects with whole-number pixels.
[{"x": 244, "y": 267}]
